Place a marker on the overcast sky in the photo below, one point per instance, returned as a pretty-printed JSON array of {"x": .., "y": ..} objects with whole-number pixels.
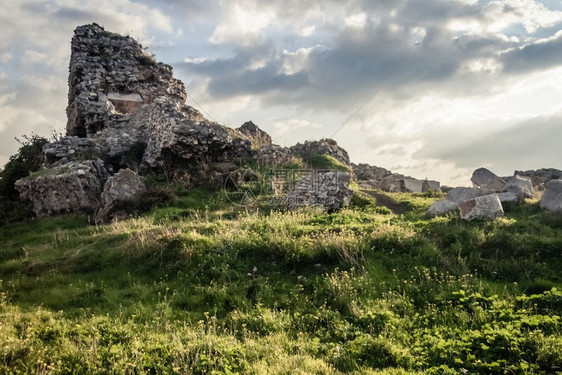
[{"x": 454, "y": 84}]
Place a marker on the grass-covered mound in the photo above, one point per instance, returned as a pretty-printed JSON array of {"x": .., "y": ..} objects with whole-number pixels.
[{"x": 204, "y": 287}]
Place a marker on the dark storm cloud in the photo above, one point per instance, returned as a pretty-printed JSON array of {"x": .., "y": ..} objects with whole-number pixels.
[
  {"x": 257, "y": 81},
  {"x": 74, "y": 15},
  {"x": 358, "y": 60},
  {"x": 534, "y": 56}
]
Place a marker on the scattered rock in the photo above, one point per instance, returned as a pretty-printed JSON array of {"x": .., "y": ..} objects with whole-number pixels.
[
  {"x": 462, "y": 194},
  {"x": 486, "y": 179},
  {"x": 119, "y": 190},
  {"x": 441, "y": 208},
  {"x": 552, "y": 197},
  {"x": 72, "y": 187},
  {"x": 485, "y": 207},
  {"x": 370, "y": 177},
  {"x": 521, "y": 186}
]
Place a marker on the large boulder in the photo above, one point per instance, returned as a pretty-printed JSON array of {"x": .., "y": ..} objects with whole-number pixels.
[
  {"x": 325, "y": 189},
  {"x": 486, "y": 207},
  {"x": 441, "y": 208},
  {"x": 258, "y": 137},
  {"x": 486, "y": 179},
  {"x": 521, "y": 186},
  {"x": 119, "y": 192},
  {"x": 552, "y": 197},
  {"x": 72, "y": 187},
  {"x": 462, "y": 194}
]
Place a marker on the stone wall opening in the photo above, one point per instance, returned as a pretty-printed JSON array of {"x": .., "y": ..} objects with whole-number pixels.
[{"x": 125, "y": 102}]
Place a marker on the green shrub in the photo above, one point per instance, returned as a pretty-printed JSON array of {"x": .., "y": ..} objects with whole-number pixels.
[{"x": 26, "y": 160}]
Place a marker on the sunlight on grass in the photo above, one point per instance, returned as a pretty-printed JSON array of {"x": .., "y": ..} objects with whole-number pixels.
[{"x": 221, "y": 290}]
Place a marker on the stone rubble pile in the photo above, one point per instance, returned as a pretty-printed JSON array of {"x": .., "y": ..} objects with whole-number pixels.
[
  {"x": 485, "y": 200},
  {"x": 325, "y": 189},
  {"x": 541, "y": 177},
  {"x": 273, "y": 155},
  {"x": 68, "y": 149},
  {"x": 371, "y": 177}
]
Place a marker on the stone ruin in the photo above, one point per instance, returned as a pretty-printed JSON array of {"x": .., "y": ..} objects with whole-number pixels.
[{"x": 127, "y": 112}]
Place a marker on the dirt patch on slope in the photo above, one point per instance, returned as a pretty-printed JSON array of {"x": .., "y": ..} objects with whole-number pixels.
[{"x": 386, "y": 201}]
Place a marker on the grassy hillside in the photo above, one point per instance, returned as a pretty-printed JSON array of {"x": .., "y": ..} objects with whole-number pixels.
[{"x": 205, "y": 287}]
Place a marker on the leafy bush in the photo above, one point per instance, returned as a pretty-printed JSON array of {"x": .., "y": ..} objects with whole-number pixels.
[{"x": 26, "y": 160}]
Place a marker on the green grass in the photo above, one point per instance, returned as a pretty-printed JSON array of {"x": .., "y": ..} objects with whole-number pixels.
[
  {"x": 201, "y": 286},
  {"x": 322, "y": 161}
]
